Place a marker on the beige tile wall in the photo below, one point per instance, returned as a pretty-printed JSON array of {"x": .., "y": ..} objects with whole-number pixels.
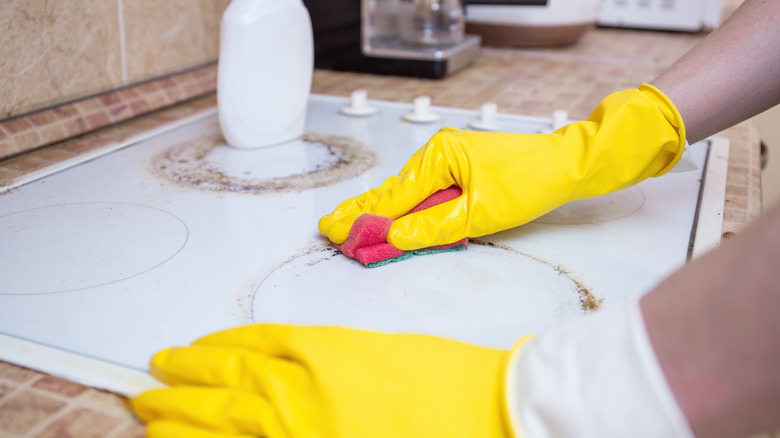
[{"x": 54, "y": 51}]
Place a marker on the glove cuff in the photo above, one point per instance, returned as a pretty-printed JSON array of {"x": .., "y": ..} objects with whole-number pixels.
[
  {"x": 669, "y": 111},
  {"x": 593, "y": 377}
]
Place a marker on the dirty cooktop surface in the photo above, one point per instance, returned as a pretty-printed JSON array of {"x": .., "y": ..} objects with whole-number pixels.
[{"x": 178, "y": 235}]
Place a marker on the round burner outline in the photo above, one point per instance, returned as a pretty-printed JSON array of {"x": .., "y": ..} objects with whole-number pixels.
[
  {"x": 604, "y": 208},
  {"x": 186, "y": 164},
  {"x": 306, "y": 289},
  {"x": 588, "y": 301},
  {"x": 58, "y": 225}
]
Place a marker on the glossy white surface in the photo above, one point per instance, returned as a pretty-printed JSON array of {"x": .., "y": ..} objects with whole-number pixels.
[
  {"x": 266, "y": 62},
  {"x": 484, "y": 295},
  {"x": 252, "y": 253},
  {"x": 101, "y": 242}
]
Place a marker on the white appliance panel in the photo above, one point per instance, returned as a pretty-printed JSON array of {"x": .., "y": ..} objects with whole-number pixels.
[{"x": 118, "y": 257}]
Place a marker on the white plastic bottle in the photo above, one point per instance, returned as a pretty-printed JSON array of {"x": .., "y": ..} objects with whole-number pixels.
[{"x": 266, "y": 61}]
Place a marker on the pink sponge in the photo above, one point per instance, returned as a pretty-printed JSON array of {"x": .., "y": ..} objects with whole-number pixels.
[{"x": 367, "y": 239}]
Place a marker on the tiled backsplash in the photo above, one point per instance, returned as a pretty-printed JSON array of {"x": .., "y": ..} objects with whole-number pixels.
[
  {"x": 54, "y": 51},
  {"x": 43, "y": 127}
]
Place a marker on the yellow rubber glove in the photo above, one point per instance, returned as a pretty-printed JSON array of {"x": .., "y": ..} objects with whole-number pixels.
[
  {"x": 296, "y": 381},
  {"x": 510, "y": 179}
]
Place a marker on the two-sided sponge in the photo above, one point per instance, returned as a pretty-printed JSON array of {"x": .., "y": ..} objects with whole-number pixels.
[{"x": 367, "y": 239}]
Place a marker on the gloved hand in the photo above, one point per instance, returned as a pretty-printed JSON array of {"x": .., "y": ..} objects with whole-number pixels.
[
  {"x": 294, "y": 381},
  {"x": 510, "y": 179}
]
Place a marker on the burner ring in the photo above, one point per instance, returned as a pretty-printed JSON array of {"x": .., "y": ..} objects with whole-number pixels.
[
  {"x": 604, "y": 208},
  {"x": 193, "y": 165},
  {"x": 490, "y": 294},
  {"x": 75, "y": 247}
]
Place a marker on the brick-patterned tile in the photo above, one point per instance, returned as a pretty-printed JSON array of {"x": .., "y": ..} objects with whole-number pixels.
[
  {"x": 169, "y": 82},
  {"x": 739, "y": 191},
  {"x": 27, "y": 164},
  {"x": 52, "y": 133},
  {"x": 149, "y": 87},
  {"x": 190, "y": 89},
  {"x": 75, "y": 126},
  {"x": 58, "y": 386},
  {"x": 17, "y": 125},
  {"x": 81, "y": 423},
  {"x": 65, "y": 111},
  {"x": 105, "y": 402},
  {"x": 7, "y": 176},
  {"x": 88, "y": 106},
  {"x": 173, "y": 94},
  {"x": 43, "y": 118},
  {"x": 131, "y": 429},
  {"x": 109, "y": 99},
  {"x": 5, "y": 389},
  {"x": 27, "y": 410},
  {"x": 8, "y": 148},
  {"x": 155, "y": 100},
  {"x": 208, "y": 84},
  {"x": 86, "y": 144},
  {"x": 138, "y": 106},
  {"x": 737, "y": 202},
  {"x": 17, "y": 374},
  {"x": 98, "y": 119},
  {"x": 55, "y": 154},
  {"x": 120, "y": 112}
]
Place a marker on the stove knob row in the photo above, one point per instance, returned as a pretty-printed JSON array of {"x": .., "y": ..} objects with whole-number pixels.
[{"x": 422, "y": 113}]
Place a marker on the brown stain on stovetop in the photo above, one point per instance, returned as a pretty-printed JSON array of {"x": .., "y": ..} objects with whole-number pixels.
[
  {"x": 588, "y": 301},
  {"x": 326, "y": 251},
  {"x": 186, "y": 165}
]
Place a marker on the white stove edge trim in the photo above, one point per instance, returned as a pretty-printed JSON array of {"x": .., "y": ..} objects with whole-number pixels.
[
  {"x": 709, "y": 228},
  {"x": 74, "y": 367},
  {"x": 105, "y": 150}
]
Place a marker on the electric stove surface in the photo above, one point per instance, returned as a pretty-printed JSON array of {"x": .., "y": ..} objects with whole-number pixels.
[{"x": 176, "y": 236}]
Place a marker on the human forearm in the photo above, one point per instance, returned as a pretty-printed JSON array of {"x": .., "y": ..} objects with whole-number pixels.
[
  {"x": 714, "y": 327},
  {"x": 731, "y": 75}
]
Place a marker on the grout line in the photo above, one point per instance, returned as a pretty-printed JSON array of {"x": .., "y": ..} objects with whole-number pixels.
[
  {"x": 17, "y": 388},
  {"x": 51, "y": 419},
  {"x": 70, "y": 405},
  {"x": 122, "y": 50},
  {"x": 122, "y": 428}
]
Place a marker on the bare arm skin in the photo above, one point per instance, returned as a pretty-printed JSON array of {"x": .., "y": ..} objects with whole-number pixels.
[
  {"x": 715, "y": 325},
  {"x": 715, "y": 328},
  {"x": 730, "y": 76}
]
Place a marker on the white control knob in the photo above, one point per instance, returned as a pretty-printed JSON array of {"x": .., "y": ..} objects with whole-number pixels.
[
  {"x": 421, "y": 111},
  {"x": 487, "y": 118},
  {"x": 358, "y": 105},
  {"x": 560, "y": 119}
]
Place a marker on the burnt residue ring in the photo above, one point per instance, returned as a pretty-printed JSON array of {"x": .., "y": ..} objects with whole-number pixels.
[
  {"x": 193, "y": 164},
  {"x": 588, "y": 301}
]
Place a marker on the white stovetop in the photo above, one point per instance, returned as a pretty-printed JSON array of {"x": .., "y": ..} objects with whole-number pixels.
[{"x": 107, "y": 262}]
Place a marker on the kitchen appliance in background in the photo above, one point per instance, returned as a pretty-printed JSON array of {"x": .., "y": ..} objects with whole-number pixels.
[
  {"x": 430, "y": 22},
  {"x": 681, "y": 15},
  {"x": 531, "y": 23},
  {"x": 420, "y": 38}
]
